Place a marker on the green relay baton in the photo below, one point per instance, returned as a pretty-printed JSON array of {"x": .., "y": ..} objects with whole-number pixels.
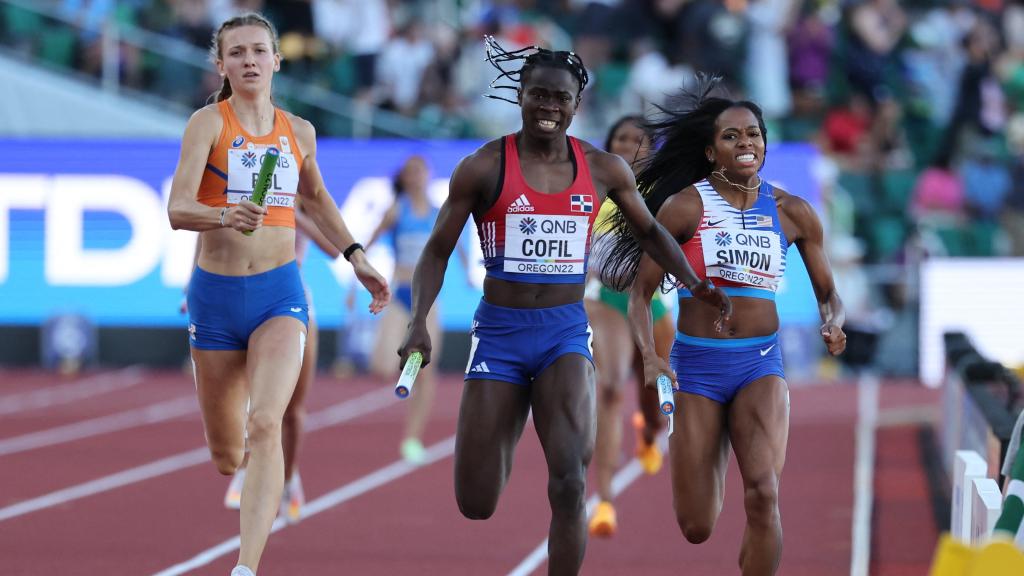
[{"x": 259, "y": 191}]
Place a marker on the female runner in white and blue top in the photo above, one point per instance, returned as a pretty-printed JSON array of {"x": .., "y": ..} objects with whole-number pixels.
[{"x": 704, "y": 186}]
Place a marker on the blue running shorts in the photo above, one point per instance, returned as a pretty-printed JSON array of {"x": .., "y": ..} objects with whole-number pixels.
[
  {"x": 225, "y": 310},
  {"x": 718, "y": 369},
  {"x": 516, "y": 344}
]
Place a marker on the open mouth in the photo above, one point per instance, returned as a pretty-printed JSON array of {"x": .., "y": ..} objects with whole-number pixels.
[
  {"x": 547, "y": 124},
  {"x": 746, "y": 159}
]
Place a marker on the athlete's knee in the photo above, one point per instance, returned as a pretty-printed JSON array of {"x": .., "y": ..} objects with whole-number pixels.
[
  {"x": 567, "y": 491},
  {"x": 294, "y": 418},
  {"x": 609, "y": 393},
  {"x": 696, "y": 529},
  {"x": 263, "y": 427},
  {"x": 761, "y": 499},
  {"x": 475, "y": 506},
  {"x": 227, "y": 460}
]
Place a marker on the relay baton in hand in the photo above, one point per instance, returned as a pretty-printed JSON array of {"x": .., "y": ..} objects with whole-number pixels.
[
  {"x": 259, "y": 191},
  {"x": 666, "y": 400},
  {"x": 408, "y": 377}
]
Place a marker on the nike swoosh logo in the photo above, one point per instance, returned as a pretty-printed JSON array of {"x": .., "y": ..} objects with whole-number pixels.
[
  {"x": 767, "y": 350},
  {"x": 716, "y": 223},
  {"x": 296, "y": 310}
]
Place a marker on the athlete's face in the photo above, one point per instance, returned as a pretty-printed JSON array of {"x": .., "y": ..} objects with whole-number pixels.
[
  {"x": 738, "y": 145},
  {"x": 247, "y": 58},
  {"x": 414, "y": 175},
  {"x": 630, "y": 142},
  {"x": 548, "y": 98}
]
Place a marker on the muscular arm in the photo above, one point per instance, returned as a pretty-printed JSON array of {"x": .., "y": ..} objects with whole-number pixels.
[
  {"x": 320, "y": 206},
  {"x": 183, "y": 210},
  {"x": 810, "y": 241},
  {"x": 309, "y": 228},
  {"x": 463, "y": 193}
]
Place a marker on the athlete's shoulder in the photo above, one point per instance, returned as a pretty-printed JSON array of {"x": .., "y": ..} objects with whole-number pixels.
[
  {"x": 209, "y": 114},
  {"x": 301, "y": 126},
  {"x": 486, "y": 157},
  {"x": 205, "y": 124}
]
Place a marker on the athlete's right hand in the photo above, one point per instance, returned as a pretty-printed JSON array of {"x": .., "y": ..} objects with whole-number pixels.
[
  {"x": 714, "y": 296},
  {"x": 417, "y": 339},
  {"x": 245, "y": 216},
  {"x": 655, "y": 366}
]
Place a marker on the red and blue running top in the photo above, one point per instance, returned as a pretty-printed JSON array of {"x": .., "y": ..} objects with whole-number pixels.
[
  {"x": 539, "y": 238},
  {"x": 741, "y": 251}
]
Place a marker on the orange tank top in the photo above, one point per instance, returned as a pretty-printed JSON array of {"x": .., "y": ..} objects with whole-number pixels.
[{"x": 235, "y": 161}]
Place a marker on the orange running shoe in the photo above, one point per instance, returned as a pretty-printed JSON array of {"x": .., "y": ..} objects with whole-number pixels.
[
  {"x": 649, "y": 455},
  {"x": 603, "y": 523}
]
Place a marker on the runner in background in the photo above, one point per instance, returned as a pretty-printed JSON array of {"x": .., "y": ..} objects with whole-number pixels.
[{"x": 615, "y": 354}]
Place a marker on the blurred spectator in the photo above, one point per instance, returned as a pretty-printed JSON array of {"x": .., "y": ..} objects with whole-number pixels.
[
  {"x": 939, "y": 192},
  {"x": 874, "y": 29},
  {"x": 767, "y": 66},
  {"x": 400, "y": 70},
  {"x": 712, "y": 36},
  {"x": 986, "y": 179}
]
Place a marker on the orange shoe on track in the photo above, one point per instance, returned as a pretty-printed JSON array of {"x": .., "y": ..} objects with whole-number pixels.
[
  {"x": 649, "y": 455},
  {"x": 603, "y": 523}
]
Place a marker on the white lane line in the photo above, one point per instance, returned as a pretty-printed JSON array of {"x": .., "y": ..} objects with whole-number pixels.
[
  {"x": 864, "y": 473},
  {"x": 339, "y": 495},
  {"x": 336, "y": 414},
  {"x": 103, "y": 425},
  {"x": 66, "y": 393},
  {"x": 622, "y": 479}
]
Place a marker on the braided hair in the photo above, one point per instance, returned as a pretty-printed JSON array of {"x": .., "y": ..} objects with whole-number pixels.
[
  {"x": 683, "y": 130},
  {"x": 532, "y": 57}
]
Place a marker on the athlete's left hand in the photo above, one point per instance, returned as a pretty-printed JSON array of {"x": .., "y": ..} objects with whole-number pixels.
[
  {"x": 834, "y": 338},
  {"x": 714, "y": 296},
  {"x": 371, "y": 280}
]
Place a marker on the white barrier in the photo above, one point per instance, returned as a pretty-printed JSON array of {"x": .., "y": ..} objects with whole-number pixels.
[
  {"x": 985, "y": 508},
  {"x": 967, "y": 465}
]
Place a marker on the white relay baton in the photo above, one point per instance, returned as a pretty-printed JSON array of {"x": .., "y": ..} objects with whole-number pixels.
[
  {"x": 408, "y": 377},
  {"x": 666, "y": 399}
]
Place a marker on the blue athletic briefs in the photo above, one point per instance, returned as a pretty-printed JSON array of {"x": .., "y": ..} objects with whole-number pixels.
[
  {"x": 718, "y": 369},
  {"x": 225, "y": 310},
  {"x": 517, "y": 344}
]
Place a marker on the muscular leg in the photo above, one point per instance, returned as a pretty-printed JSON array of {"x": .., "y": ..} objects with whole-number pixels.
[
  {"x": 295, "y": 414},
  {"x": 613, "y": 347},
  {"x": 491, "y": 419},
  {"x": 759, "y": 428},
  {"x": 563, "y": 412},
  {"x": 699, "y": 454},
  {"x": 223, "y": 391},
  {"x": 273, "y": 369},
  {"x": 650, "y": 407}
]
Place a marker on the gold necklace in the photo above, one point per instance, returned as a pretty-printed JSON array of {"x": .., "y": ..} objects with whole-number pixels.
[{"x": 720, "y": 173}]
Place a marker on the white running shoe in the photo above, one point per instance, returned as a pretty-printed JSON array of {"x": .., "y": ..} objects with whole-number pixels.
[
  {"x": 293, "y": 499},
  {"x": 242, "y": 571},
  {"x": 233, "y": 498}
]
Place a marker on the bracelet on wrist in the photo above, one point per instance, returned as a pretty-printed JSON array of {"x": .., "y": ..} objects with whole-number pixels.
[
  {"x": 352, "y": 248},
  {"x": 223, "y": 211}
]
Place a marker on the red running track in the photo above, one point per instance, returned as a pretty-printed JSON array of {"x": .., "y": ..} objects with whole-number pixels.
[{"x": 134, "y": 493}]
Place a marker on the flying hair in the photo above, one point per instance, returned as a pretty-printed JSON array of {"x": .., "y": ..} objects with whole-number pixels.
[
  {"x": 682, "y": 131},
  {"x": 532, "y": 56}
]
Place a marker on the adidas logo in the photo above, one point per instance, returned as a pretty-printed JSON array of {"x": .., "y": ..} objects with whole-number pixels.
[
  {"x": 481, "y": 367},
  {"x": 521, "y": 204}
]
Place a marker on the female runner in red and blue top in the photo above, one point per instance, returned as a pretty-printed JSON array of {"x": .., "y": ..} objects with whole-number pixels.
[
  {"x": 704, "y": 185},
  {"x": 534, "y": 195}
]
